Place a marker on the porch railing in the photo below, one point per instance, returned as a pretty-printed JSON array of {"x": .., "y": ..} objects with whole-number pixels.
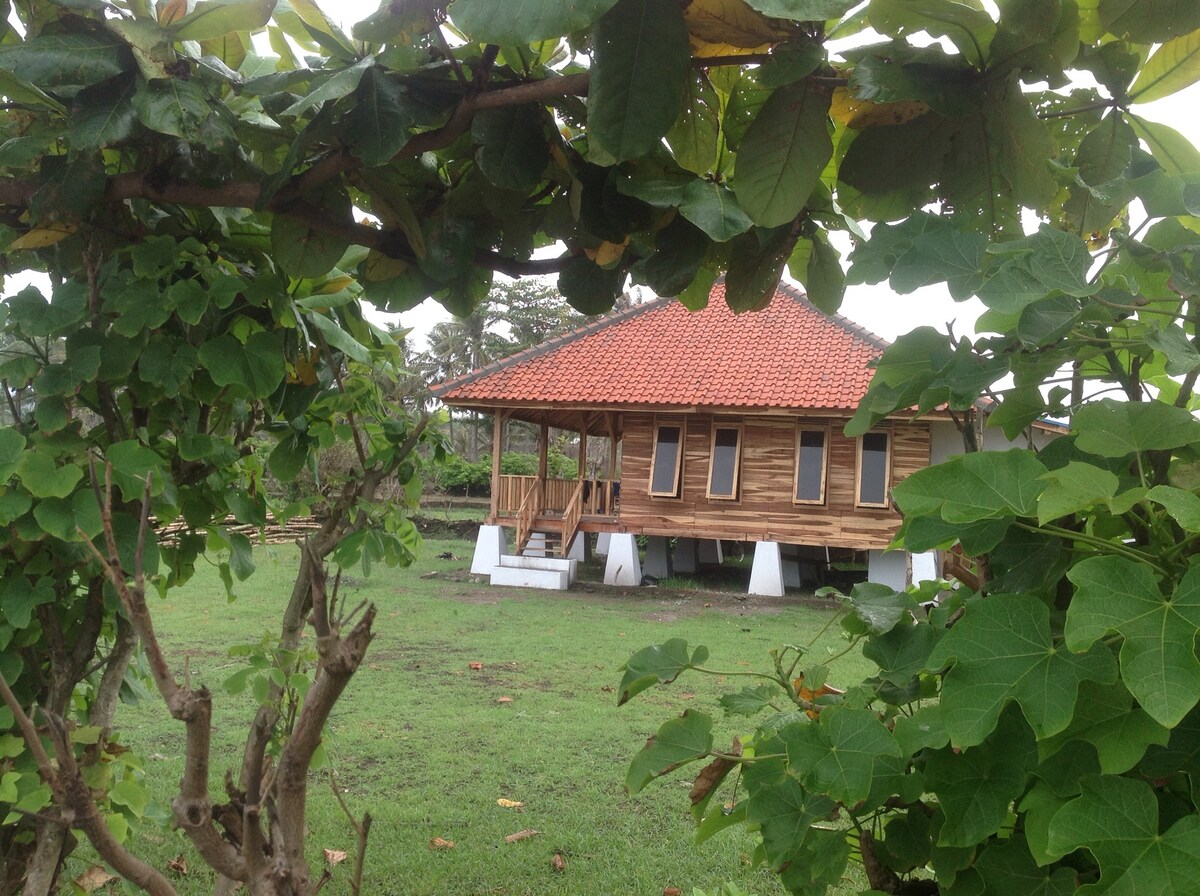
[
  {"x": 598, "y": 497},
  {"x": 528, "y": 511},
  {"x": 572, "y": 513}
]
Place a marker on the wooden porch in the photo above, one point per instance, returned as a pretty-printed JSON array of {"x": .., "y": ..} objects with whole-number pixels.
[{"x": 561, "y": 508}]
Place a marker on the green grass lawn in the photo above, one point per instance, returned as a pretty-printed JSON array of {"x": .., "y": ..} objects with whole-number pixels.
[{"x": 422, "y": 743}]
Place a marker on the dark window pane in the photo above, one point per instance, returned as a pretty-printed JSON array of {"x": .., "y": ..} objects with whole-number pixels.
[
  {"x": 872, "y": 478},
  {"x": 724, "y": 462},
  {"x": 810, "y": 466},
  {"x": 666, "y": 460}
]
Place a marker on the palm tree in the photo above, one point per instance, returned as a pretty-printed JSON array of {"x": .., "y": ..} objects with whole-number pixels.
[{"x": 463, "y": 344}]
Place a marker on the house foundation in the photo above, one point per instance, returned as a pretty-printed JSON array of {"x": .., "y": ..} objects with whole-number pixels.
[
  {"x": 623, "y": 566},
  {"x": 766, "y": 575},
  {"x": 490, "y": 546},
  {"x": 658, "y": 557}
]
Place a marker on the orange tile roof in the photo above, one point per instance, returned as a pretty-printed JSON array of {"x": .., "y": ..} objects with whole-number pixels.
[{"x": 789, "y": 355}]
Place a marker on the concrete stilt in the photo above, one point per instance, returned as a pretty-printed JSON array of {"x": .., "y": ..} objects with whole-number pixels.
[
  {"x": 490, "y": 546},
  {"x": 709, "y": 551},
  {"x": 536, "y": 546},
  {"x": 766, "y": 575},
  {"x": 924, "y": 567},
  {"x": 684, "y": 559},
  {"x": 623, "y": 566},
  {"x": 887, "y": 568},
  {"x": 658, "y": 557},
  {"x": 579, "y": 549},
  {"x": 791, "y": 574},
  {"x": 602, "y": 540}
]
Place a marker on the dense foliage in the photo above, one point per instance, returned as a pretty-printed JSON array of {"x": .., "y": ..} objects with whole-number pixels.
[{"x": 211, "y": 213}]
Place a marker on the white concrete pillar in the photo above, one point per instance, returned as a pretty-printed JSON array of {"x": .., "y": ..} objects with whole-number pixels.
[
  {"x": 684, "y": 559},
  {"x": 579, "y": 548},
  {"x": 766, "y": 575},
  {"x": 602, "y": 539},
  {"x": 887, "y": 568},
  {"x": 490, "y": 546},
  {"x": 709, "y": 551},
  {"x": 536, "y": 546},
  {"x": 658, "y": 557},
  {"x": 623, "y": 566},
  {"x": 924, "y": 567}
]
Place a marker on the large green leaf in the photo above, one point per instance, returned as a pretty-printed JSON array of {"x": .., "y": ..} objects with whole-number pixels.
[
  {"x": 332, "y": 86},
  {"x": 1117, "y": 820},
  {"x": 305, "y": 251},
  {"x": 210, "y": 19},
  {"x": 1111, "y": 428},
  {"x": 19, "y": 597},
  {"x": 513, "y": 149},
  {"x": 1148, "y": 21},
  {"x": 659, "y": 664},
  {"x": 639, "y": 76},
  {"x": 173, "y": 106},
  {"x": 825, "y": 280},
  {"x": 43, "y": 478},
  {"x": 803, "y": 10},
  {"x": 694, "y": 138},
  {"x": 1002, "y": 650},
  {"x": 1158, "y": 656},
  {"x": 978, "y": 486},
  {"x": 1171, "y": 149},
  {"x": 1106, "y": 718},
  {"x": 677, "y": 742},
  {"x": 783, "y": 810},
  {"x": 755, "y": 266},
  {"x": 977, "y": 786},
  {"x": 1173, "y": 66},
  {"x": 65, "y": 63},
  {"x": 783, "y": 154},
  {"x": 1183, "y": 506},
  {"x": 836, "y": 756},
  {"x": 714, "y": 209},
  {"x": 1075, "y": 487},
  {"x": 257, "y": 366},
  {"x": 378, "y": 126},
  {"x": 964, "y": 22},
  {"x": 505, "y": 22},
  {"x": 103, "y": 114}
]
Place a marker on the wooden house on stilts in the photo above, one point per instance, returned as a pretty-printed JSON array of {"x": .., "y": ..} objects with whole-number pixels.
[{"x": 720, "y": 426}]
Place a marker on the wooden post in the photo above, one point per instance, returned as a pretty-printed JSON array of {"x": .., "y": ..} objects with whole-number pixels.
[
  {"x": 612, "y": 448},
  {"x": 583, "y": 434},
  {"x": 497, "y": 444},
  {"x": 543, "y": 448}
]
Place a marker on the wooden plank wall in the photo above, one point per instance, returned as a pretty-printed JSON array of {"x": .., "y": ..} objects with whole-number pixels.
[{"x": 764, "y": 510}]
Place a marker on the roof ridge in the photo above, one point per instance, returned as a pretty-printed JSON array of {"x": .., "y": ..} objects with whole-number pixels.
[{"x": 550, "y": 345}]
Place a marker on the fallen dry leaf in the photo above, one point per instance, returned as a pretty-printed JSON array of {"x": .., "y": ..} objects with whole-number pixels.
[
  {"x": 335, "y": 856},
  {"x": 521, "y": 835},
  {"x": 608, "y": 689},
  {"x": 558, "y": 863},
  {"x": 178, "y": 864},
  {"x": 671, "y": 891},
  {"x": 475, "y": 666},
  {"x": 439, "y": 843},
  {"x": 93, "y": 879},
  {"x": 687, "y": 695},
  {"x": 504, "y": 699},
  {"x": 509, "y": 804},
  {"x": 706, "y": 606}
]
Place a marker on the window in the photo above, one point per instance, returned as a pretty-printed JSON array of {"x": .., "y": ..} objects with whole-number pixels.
[
  {"x": 874, "y": 468},
  {"x": 667, "y": 461},
  {"x": 812, "y": 462},
  {"x": 725, "y": 461}
]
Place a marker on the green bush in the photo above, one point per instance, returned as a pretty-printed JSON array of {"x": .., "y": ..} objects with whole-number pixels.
[{"x": 461, "y": 477}]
